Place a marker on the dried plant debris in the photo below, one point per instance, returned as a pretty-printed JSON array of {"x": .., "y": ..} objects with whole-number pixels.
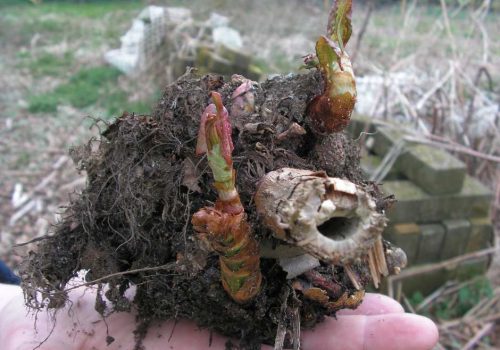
[
  {"x": 331, "y": 219},
  {"x": 267, "y": 231}
]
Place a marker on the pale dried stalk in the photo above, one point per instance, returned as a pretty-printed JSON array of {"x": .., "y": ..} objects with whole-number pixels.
[
  {"x": 377, "y": 262},
  {"x": 393, "y": 281},
  {"x": 279, "y": 341},
  {"x": 373, "y": 268},
  {"x": 352, "y": 276},
  {"x": 472, "y": 343}
]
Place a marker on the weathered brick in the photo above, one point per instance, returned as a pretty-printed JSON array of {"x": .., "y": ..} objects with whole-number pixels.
[
  {"x": 431, "y": 240},
  {"x": 481, "y": 235},
  {"x": 406, "y": 236},
  {"x": 415, "y": 205},
  {"x": 456, "y": 238},
  {"x": 432, "y": 169},
  {"x": 410, "y": 199}
]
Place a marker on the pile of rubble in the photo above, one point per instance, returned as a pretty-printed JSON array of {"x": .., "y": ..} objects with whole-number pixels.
[{"x": 171, "y": 38}]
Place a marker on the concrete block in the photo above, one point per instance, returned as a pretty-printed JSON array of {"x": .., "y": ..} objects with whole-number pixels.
[
  {"x": 431, "y": 241},
  {"x": 426, "y": 283},
  {"x": 359, "y": 124},
  {"x": 208, "y": 61},
  {"x": 238, "y": 59},
  {"x": 432, "y": 169},
  {"x": 407, "y": 237},
  {"x": 384, "y": 138},
  {"x": 456, "y": 238},
  {"x": 410, "y": 199},
  {"x": 472, "y": 268},
  {"x": 370, "y": 163},
  {"x": 415, "y": 205},
  {"x": 225, "y": 61},
  {"x": 481, "y": 235},
  {"x": 473, "y": 200}
]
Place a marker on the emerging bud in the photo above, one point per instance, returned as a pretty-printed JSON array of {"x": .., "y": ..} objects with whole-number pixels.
[
  {"x": 243, "y": 98},
  {"x": 224, "y": 226},
  {"x": 215, "y": 130},
  {"x": 331, "y": 111},
  {"x": 339, "y": 22}
]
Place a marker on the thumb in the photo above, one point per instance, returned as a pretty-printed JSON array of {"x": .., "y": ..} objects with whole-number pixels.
[{"x": 397, "y": 331}]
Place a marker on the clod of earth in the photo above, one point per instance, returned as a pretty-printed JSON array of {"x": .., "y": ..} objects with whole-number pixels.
[
  {"x": 145, "y": 183},
  {"x": 294, "y": 233}
]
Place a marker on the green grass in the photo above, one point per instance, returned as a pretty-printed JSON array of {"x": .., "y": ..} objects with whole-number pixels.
[
  {"x": 458, "y": 304},
  {"x": 90, "y": 25},
  {"x": 89, "y": 9},
  {"x": 46, "y": 64},
  {"x": 95, "y": 86},
  {"x": 58, "y": 21},
  {"x": 45, "y": 103},
  {"x": 87, "y": 87},
  {"x": 119, "y": 103}
]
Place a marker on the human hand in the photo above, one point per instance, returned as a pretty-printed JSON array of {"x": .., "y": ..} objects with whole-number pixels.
[{"x": 379, "y": 323}]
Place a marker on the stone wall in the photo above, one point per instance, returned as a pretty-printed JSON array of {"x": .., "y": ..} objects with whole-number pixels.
[{"x": 441, "y": 212}]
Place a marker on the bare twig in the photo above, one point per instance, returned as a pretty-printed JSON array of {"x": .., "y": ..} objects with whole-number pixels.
[
  {"x": 364, "y": 26},
  {"x": 438, "y": 292},
  {"x": 419, "y": 270},
  {"x": 448, "y": 28},
  {"x": 408, "y": 305},
  {"x": 387, "y": 163},
  {"x": 455, "y": 148},
  {"x": 279, "y": 341}
]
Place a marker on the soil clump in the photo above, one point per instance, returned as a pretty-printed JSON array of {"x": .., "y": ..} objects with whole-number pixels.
[{"x": 132, "y": 223}]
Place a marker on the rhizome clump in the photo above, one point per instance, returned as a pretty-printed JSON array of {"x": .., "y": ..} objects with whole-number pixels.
[{"x": 145, "y": 183}]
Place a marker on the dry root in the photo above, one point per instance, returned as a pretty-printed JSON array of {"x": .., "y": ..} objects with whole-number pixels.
[
  {"x": 334, "y": 220},
  {"x": 299, "y": 204}
]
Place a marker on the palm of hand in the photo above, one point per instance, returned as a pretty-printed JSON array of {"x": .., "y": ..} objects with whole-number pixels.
[{"x": 378, "y": 323}]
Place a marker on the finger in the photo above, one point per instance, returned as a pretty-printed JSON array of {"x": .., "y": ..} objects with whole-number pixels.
[
  {"x": 378, "y": 332},
  {"x": 183, "y": 335},
  {"x": 8, "y": 292},
  {"x": 375, "y": 304}
]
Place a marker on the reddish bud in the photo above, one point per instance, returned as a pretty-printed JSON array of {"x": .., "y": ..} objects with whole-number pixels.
[
  {"x": 331, "y": 111},
  {"x": 215, "y": 129}
]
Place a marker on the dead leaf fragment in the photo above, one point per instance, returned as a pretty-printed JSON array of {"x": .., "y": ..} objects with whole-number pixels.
[
  {"x": 316, "y": 294},
  {"x": 190, "y": 175}
]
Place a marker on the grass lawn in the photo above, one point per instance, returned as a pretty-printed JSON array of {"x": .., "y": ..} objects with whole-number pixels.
[{"x": 59, "y": 46}]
